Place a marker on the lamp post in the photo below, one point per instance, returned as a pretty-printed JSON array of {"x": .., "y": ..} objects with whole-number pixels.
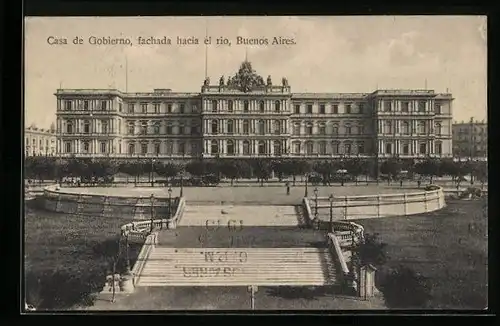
[
  {"x": 152, "y": 215},
  {"x": 331, "y": 212},
  {"x": 305, "y": 191},
  {"x": 316, "y": 202},
  {"x": 152, "y": 168},
  {"x": 127, "y": 252},
  {"x": 169, "y": 203},
  {"x": 182, "y": 184}
]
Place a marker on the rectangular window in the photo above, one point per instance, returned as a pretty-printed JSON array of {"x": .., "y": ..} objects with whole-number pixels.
[
  {"x": 388, "y": 148},
  {"x": 297, "y": 108},
  {"x": 423, "y": 148},
  {"x": 437, "y": 108},
  {"x": 103, "y": 147},
  {"x": 348, "y": 108},
  {"x": 144, "y": 148},
  {"x": 421, "y": 106},
  {"x": 104, "y": 126},
  {"x": 67, "y": 105},
  {"x": 120, "y": 107},
  {"x": 322, "y": 108},
  {"x": 361, "y": 148},
  {"x": 85, "y": 105},
  {"x": 406, "y": 149},
  {"x": 438, "y": 148},
  {"x": 387, "y": 106},
  {"x": 182, "y": 107},
  {"x": 131, "y": 108},
  {"x": 405, "y": 107},
  {"x": 169, "y": 108},
  {"x": 347, "y": 149},
  {"x": 309, "y": 108},
  {"x": 104, "y": 105},
  {"x": 169, "y": 129},
  {"x": 361, "y": 108},
  {"x": 67, "y": 147},
  {"x": 131, "y": 128},
  {"x": 157, "y": 148},
  {"x": 335, "y": 108},
  {"x": 157, "y": 108},
  {"x": 144, "y": 107}
]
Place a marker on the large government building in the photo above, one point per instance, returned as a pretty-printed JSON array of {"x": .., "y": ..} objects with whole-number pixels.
[{"x": 248, "y": 116}]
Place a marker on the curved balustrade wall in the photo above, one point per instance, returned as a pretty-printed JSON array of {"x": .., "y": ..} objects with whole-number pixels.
[
  {"x": 360, "y": 207},
  {"x": 97, "y": 205}
]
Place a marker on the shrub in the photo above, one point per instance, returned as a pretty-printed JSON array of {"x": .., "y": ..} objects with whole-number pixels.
[
  {"x": 370, "y": 251},
  {"x": 403, "y": 288}
]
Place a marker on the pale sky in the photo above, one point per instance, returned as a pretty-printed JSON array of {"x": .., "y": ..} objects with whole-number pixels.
[{"x": 332, "y": 54}]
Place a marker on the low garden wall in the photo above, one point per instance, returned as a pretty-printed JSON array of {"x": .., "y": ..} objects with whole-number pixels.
[
  {"x": 383, "y": 205},
  {"x": 141, "y": 208}
]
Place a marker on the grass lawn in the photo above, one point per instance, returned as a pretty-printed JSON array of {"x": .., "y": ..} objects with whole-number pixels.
[
  {"x": 66, "y": 256},
  {"x": 440, "y": 245}
]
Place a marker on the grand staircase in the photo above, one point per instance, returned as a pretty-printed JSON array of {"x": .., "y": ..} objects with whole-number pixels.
[{"x": 238, "y": 267}]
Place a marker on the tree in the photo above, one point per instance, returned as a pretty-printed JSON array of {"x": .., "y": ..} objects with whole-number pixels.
[
  {"x": 298, "y": 167},
  {"x": 403, "y": 288},
  {"x": 281, "y": 168},
  {"x": 262, "y": 169},
  {"x": 197, "y": 168},
  {"x": 428, "y": 167},
  {"x": 354, "y": 167},
  {"x": 230, "y": 169},
  {"x": 391, "y": 167},
  {"x": 370, "y": 251}
]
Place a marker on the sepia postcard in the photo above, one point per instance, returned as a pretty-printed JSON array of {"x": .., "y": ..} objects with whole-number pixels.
[{"x": 277, "y": 163}]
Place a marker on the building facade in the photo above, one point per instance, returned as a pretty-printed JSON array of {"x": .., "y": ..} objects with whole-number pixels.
[
  {"x": 245, "y": 116},
  {"x": 470, "y": 139},
  {"x": 39, "y": 142}
]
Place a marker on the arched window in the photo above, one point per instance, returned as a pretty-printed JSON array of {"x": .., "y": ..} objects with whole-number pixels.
[
  {"x": 230, "y": 126},
  {"x": 69, "y": 127},
  {"x": 230, "y": 147},
  {"x": 261, "y": 106},
  {"x": 86, "y": 126},
  {"x": 296, "y": 147},
  {"x": 348, "y": 129},
  {"x": 335, "y": 147},
  {"x": 246, "y": 147},
  {"x": 309, "y": 148},
  {"x": 262, "y": 129},
  {"x": 86, "y": 147},
  {"x": 277, "y": 147},
  {"x": 277, "y": 106},
  {"x": 388, "y": 148},
  {"x": 156, "y": 128},
  {"x": 246, "y": 106},
  {"x": 335, "y": 129},
  {"x": 246, "y": 127},
  {"x": 438, "y": 148},
  {"x": 309, "y": 128},
  {"x": 276, "y": 127},
  {"x": 144, "y": 128},
  {"x": 215, "y": 127},
  {"x": 348, "y": 148},
  {"x": 262, "y": 147},
  {"x": 405, "y": 128},
  {"x": 322, "y": 129},
  {"x": 169, "y": 128},
  {"x": 214, "y": 147},
  {"x": 230, "y": 106},
  {"x": 388, "y": 127},
  {"x": 296, "y": 129},
  {"x": 214, "y": 106},
  {"x": 131, "y": 148},
  {"x": 437, "y": 129},
  {"x": 421, "y": 127},
  {"x": 322, "y": 147}
]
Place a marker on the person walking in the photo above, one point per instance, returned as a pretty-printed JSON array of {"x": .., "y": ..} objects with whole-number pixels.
[{"x": 287, "y": 188}]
